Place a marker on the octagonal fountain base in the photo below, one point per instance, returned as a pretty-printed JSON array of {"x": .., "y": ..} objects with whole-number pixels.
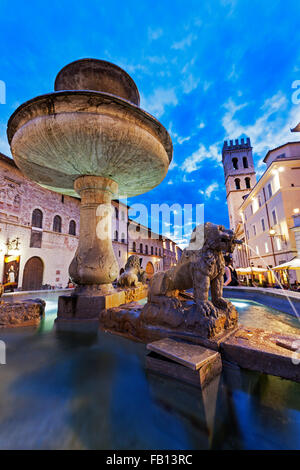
[{"x": 85, "y": 306}]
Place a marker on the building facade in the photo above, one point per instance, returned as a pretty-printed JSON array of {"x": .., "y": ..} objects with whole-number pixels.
[
  {"x": 265, "y": 216},
  {"x": 39, "y": 234}
]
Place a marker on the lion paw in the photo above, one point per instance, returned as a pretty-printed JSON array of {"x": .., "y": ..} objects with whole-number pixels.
[
  {"x": 222, "y": 304},
  {"x": 207, "y": 309}
]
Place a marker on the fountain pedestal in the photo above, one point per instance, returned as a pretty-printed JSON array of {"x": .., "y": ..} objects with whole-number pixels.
[
  {"x": 90, "y": 139},
  {"x": 94, "y": 266}
]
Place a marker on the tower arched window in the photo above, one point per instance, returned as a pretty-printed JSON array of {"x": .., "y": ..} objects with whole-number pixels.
[
  {"x": 247, "y": 181},
  {"x": 237, "y": 183},
  {"x": 116, "y": 236},
  {"x": 245, "y": 162},
  {"x": 72, "y": 227},
  {"x": 57, "y": 224},
  {"x": 37, "y": 218},
  {"x": 235, "y": 163}
]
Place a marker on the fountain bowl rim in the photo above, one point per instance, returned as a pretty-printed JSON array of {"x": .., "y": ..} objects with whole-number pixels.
[{"x": 165, "y": 140}]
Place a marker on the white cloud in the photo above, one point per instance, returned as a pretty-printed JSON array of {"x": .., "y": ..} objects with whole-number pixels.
[
  {"x": 194, "y": 161},
  {"x": 170, "y": 182},
  {"x": 185, "y": 42},
  {"x": 270, "y": 129},
  {"x": 154, "y": 34},
  {"x": 190, "y": 83},
  {"x": 201, "y": 125},
  {"x": 211, "y": 189},
  {"x": 157, "y": 102},
  {"x": 186, "y": 180},
  {"x": 179, "y": 140}
]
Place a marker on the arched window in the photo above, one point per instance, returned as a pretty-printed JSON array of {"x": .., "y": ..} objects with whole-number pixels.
[
  {"x": 151, "y": 250},
  {"x": 57, "y": 224},
  {"x": 247, "y": 181},
  {"x": 237, "y": 183},
  {"x": 117, "y": 212},
  {"x": 235, "y": 163},
  {"x": 116, "y": 237},
  {"x": 37, "y": 218},
  {"x": 134, "y": 246},
  {"x": 146, "y": 249},
  {"x": 123, "y": 238},
  {"x": 245, "y": 162},
  {"x": 72, "y": 227},
  {"x": 141, "y": 248},
  {"x": 122, "y": 215},
  {"x": 156, "y": 250}
]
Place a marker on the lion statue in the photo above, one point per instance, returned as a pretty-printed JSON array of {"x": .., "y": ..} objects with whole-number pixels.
[
  {"x": 133, "y": 274},
  {"x": 201, "y": 267}
]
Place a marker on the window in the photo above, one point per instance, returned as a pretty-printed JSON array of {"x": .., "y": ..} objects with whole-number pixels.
[
  {"x": 146, "y": 249},
  {"x": 270, "y": 190},
  {"x": 263, "y": 225},
  {"x": 251, "y": 209},
  {"x": 116, "y": 213},
  {"x": 151, "y": 250},
  {"x": 257, "y": 250},
  {"x": 274, "y": 217},
  {"x": 237, "y": 183},
  {"x": 247, "y": 181},
  {"x": 245, "y": 162},
  {"x": 36, "y": 239},
  {"x": 123, "y": 237},
  {"x": 57, "y": 224},
  {"x": 259, "y": 201},
  {"x": 159, "y": 252},
  {"x": 278, "y": 244},
  {"x": 156, "y": 251},
  {"x": 134, "y": 246},
  {"x": 266, "y": 247},
  {"x": 141, "y": 248},
  {"x": 116, "y": 236},
  {"x": 72, "y": 227},
  {"x": 235, "y": 163},
  {"x": 37, "y": 218},
  {"x": 254, "y": 230},
  {"x": 122, "y": 215}
]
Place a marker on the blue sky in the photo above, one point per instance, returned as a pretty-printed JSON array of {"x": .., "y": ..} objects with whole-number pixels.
[{"x": 208, "y": 70}]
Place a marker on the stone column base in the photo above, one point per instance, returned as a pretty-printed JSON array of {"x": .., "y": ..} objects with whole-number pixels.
[{"x": 86, "y": 307}]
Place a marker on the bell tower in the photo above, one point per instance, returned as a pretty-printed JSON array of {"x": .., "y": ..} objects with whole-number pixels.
[{"x": 240, "y": 176}]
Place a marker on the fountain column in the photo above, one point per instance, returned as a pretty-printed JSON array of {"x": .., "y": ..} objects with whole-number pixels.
[{"x": 94, "y": 266}]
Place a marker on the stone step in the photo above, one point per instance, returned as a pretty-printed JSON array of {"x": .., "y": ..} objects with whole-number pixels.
[{"x": 184, "y": 361}]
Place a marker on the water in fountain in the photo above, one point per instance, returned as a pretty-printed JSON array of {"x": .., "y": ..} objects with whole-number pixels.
[{"x": 276, "y": 278}]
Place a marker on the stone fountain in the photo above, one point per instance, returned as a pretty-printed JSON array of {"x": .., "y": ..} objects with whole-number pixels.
[{"x": 90, "y": 139}]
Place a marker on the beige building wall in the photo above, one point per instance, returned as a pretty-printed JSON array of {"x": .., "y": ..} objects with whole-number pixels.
[{"x": 270, "y": 206}]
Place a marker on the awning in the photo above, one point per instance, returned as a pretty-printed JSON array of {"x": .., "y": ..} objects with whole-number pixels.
[
  {"x": 293, "y": 264},
  {"x": 251, "y": 270}
]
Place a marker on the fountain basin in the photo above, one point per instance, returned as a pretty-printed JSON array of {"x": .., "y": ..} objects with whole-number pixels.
[{"x": 56, "y": 138}]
